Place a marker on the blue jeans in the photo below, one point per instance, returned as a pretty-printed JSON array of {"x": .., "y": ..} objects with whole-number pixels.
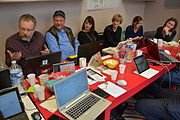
[
  {"x": 165, "y": 108},
  {"x": 165, "y": 81}
]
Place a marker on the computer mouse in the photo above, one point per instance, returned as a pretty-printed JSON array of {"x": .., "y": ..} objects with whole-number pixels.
[
  {"x": 122, "y": 82},
  {"x": 36, "y": 116}
]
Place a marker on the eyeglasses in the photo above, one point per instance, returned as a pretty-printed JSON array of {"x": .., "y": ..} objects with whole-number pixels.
[{"x": 24, "y": 29}]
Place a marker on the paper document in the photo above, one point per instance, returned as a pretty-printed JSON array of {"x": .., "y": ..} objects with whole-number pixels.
[
  {"x": 112, "y": 89},
  {"x": 50, "y": 104},
  {"x": 148, "y": 73}
]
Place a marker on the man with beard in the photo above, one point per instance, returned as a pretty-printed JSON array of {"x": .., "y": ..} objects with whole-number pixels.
[
  {"x": 25, "y": 43},
  {"x": 60, "y": 37}
]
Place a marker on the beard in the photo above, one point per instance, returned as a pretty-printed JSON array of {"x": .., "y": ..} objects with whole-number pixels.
[{"x": 26, "y": 38}]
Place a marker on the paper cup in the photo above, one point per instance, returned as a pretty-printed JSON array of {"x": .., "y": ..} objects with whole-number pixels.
[
  {"x": 44, "y": 78},
  {"x": 32, "y": 79},
  {"x": 114, "y": 75},
  {"x": 160, "y": 42},
  {"x": 82, "y": 62},
  {"x": 35, "y": 91},
  {"x": 122, "y": 68},
  {"x": 40, "y": 92}
]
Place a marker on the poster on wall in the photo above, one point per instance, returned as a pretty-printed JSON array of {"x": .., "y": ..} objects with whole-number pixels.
[{"x": 102, "y": 4}]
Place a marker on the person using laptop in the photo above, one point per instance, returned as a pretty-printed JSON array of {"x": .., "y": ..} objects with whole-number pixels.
[
  {"x": 26, "y": 42},
  {"x": 112, "y": 33},
  {"x": 135, "y": 31},
  {"x": 88, "y": 33},
  {"x": 60, "y": 37},
  {"x": 166, "y": 102},
  {"x": 168, "y": 31}
]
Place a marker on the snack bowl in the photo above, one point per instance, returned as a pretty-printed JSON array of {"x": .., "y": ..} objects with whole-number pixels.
[{"x": 111, "y": 63}]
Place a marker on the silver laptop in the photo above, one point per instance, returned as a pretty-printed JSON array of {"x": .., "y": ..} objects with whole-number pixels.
[
  {"x": 143, "y": 68},
  {"x": 11, "y": 105},
  {"x": 74, "y": 99}
]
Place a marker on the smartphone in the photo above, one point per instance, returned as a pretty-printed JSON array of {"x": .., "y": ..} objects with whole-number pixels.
[
  {"x": 55, "y": 117},
  {"x": 101, "y": 93}
]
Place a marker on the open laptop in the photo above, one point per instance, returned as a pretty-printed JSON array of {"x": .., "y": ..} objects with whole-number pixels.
[
  {"x": 41, "y": 63},
  {"x": 74, "y": 99},
  {"x": 143, "y": 68},
  {"x": 11, "y": 105},
  {"x": 89, "y": 49},
  {"x": 5, "y": 80},
  {"x": 161, "y": 56}
]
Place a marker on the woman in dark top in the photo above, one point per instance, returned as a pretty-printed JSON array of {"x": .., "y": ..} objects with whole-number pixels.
[
  {"x": 135, "y": 31},
  {"x": 88, "y": 34},
  {"x": 168, "y": 31},
  {"x": 112, "y": 33}
]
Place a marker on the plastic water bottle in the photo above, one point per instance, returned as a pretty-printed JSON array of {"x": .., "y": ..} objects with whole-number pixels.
[{"x": 16, "y": 75}]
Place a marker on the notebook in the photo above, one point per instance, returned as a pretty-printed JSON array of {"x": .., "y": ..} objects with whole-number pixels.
[
  {"x": 161, "y": 56},
  {"x": 89, "y": 49},
  {"x": 143, "y": 68},
  {"x": 5, "y": 80},
  {"x": 41, "y": 63},
  {"x": 11, "y": 105},
  {"x": 74, "y": 99}
]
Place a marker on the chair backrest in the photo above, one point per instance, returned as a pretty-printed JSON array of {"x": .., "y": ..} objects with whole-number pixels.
[{"x": 149, "y": 34}]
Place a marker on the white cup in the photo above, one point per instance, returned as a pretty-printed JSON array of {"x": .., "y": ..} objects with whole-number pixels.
[
  {"x": 138, "y": 53},
  {"x": 40, "y": 92},
  {"x": 114, "y": 74},
  {"x": 82, "y": 62},
  {"x": 155, "y": 40},
  {"x": 44, "y": 78},
  {"x": 35, "y": 91},
  {"x": 122, "y": 68},
  {"x": 32, "y": 79},
  {"x": 160, "y": 42}
]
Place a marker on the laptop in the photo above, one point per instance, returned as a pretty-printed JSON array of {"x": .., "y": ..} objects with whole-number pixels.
[
  {"x": 160, "y": 55},
  {"x": 11, "y": 105},
  {"x": 74, "y": 99},
  {"x": 5, "y": 80},
  {"x": 43, "y": 63},
  {"x": 143, "y": 68},
  {"x": 89, "y": 49}
]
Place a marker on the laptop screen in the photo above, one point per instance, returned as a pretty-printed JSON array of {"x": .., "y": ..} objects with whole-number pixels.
[
  {"x": 5, "y": 80},
  {"x": 10, "y": 103},
  {"x": 71, "y": 87},
  {"x": 44, "y": 62},
  {"x": 141, "y": 64},
  {"x": 89, "y": 49}
]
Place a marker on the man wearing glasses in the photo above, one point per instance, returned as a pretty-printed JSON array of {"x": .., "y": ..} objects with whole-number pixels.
[{"x": 26, "y": 42}]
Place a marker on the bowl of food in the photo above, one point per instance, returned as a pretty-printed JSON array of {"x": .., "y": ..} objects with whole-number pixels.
[{"x": 111, "y": 63}]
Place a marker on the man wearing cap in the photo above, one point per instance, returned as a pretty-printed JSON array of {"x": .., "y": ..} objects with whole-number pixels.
[
  {"x": 60, "y": 37},
  {"x": 26, "y": 42}
]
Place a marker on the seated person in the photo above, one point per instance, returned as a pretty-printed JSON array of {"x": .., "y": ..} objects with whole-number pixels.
[
  {"x": 112, "y": 33},
  {"x": 135, "y": 31},
  {"x": 165, "y": 106},
  {"x": 88, "y": 33},
  {"x": 25, "y": 43},
  {"x": 168, "y": 31},
  {"x": 61, "y": 38}
]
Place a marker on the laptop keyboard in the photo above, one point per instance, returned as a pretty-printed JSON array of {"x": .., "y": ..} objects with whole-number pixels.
[
  {"x": 82, "y": 106},
  {"x": 22, "y": 116}
]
